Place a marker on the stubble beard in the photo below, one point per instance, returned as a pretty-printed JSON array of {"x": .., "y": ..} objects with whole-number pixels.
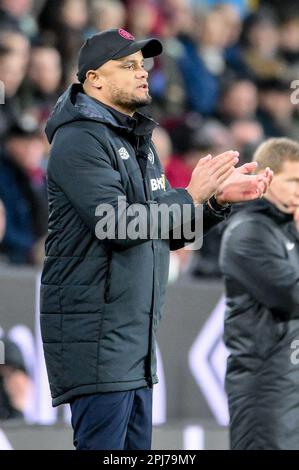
[{"x": 127, "y": 101}]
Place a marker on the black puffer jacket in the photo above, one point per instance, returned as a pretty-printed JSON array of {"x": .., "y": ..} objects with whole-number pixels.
[
  {"x": 101, "y": 301},
  {"x": 260, "y": 261}
]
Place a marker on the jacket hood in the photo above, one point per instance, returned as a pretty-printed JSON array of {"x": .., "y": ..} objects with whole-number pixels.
[{"x": 75, "y": 105}]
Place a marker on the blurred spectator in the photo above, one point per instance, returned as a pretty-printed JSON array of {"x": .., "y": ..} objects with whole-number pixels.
[
  {"x": 261, "y": 37},
  {"x": 64, "y": 25},
  {"x": 276, "y": 111},
  {"x": 12, "y": 73},
  {"x": 23, "y": 192},
  {"x": 238, "y": 110},
  {"x": 239, "y": 100},
  {"x": 289, "y": 43},
  {"x": 247, "y": 135},
  {"x": 242, "y": 6},
  {"x": 280, "y": 7},
  {"x": 181, "y": 18},
  {"x": 45, "y": 70},
  {"x": 107, "y": 14},
  {"x": 231, "y": 16},
  {"x": 74, "y": 14},
  {"x": 203, "y": 64},
  {"x": 143, "y": 18},
  {"x": 17, "y": 43},
  {"x": 43, "y": 81},
  {"x": 166, "y": 80},
  {"x": 15, "y": 383},
  {"x": 167, "y": 84},
  {"x": 16, "y": 14},
  {"x": 193, "y": 139}
]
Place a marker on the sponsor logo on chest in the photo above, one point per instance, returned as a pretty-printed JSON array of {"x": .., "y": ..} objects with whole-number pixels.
[{"x": 158, "y": 183}]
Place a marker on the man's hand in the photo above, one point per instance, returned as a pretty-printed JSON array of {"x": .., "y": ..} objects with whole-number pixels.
[
  {"x": 210, "y": 173},
  {"x": 243, "y": 186}
]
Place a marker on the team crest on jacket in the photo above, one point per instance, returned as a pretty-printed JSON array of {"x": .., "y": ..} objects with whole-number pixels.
[
  {"x": 151, "y": 156},
  {"x": 123, "y": 153}
]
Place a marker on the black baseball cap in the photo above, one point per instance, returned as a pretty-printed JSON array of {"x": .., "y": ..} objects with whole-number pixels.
[
  {"x": 113, "y": 44},
  {"x": 13, "y": 356}
]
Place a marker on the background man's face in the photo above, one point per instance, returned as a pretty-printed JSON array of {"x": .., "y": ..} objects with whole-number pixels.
[
  {"x": 27, "y": 151},
  {"x": 284, "y": 189},
  {"x": 124, "y": 82}
]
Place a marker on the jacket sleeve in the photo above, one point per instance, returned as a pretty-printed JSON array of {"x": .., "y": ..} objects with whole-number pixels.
[
  {"x": 203, "y": 221},
  {"x": 81, "y": 167},
  {"x": 206, "y": 220},
  {"x": 254, "y": 257}
]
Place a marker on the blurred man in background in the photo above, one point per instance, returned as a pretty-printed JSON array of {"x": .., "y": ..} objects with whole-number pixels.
[
  {"x": 15, "y": 383},
  {"x": 23, "y": 192},
  {"x": 260, "y": 262}
]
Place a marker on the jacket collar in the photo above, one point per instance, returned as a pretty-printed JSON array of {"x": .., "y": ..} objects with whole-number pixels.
[
  {"x": 263, "y": 206},
  {"x": 74, "y": 105},
  {"x": 140, "y": 124}
]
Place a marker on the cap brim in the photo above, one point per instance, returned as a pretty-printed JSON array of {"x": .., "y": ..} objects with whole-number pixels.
[{"x": 149, "y": 48}]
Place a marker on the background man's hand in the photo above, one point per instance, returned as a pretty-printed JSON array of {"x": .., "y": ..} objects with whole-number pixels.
[{"x": 243, "y": 186}]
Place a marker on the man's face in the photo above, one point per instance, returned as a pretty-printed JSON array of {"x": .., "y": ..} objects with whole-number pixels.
[
  {"x": 12, "y": 72},
  {"x": 284, "y": 189},
  {"x": 45, "y": 69},
  {"x": 123, "y": 83}
]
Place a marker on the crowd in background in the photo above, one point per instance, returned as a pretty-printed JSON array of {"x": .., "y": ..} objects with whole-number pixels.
[{"x": 223, "y": 81}]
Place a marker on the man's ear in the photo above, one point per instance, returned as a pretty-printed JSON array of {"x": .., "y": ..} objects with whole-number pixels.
[{"x": 94, "y": 79}]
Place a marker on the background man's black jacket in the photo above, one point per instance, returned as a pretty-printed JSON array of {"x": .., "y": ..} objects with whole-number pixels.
[
  {"x": 260, "y": 261},
  {"x": 101, "y": 301}
]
